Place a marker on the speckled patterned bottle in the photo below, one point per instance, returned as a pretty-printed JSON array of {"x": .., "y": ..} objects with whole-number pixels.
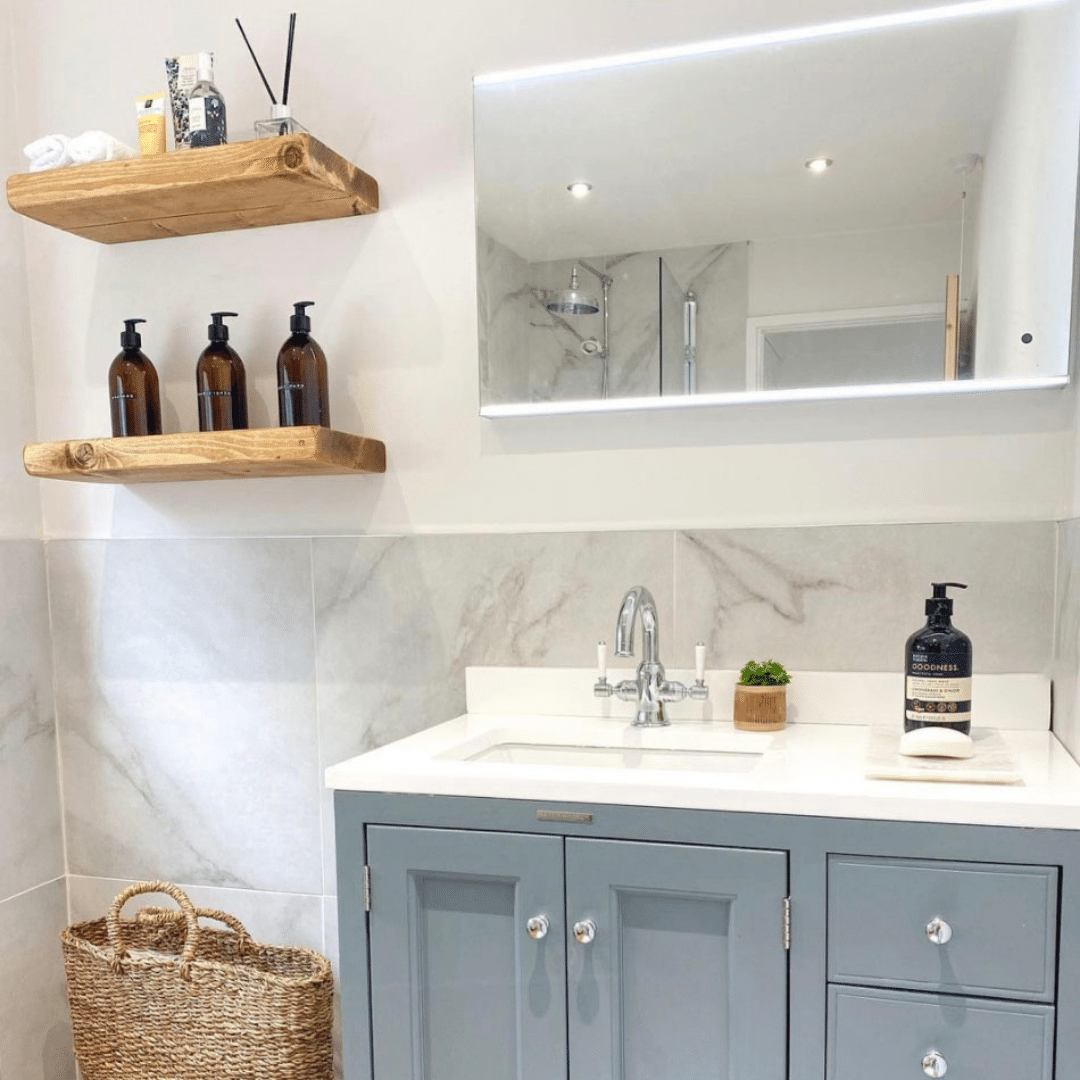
[{"x": 206, "y": 108}]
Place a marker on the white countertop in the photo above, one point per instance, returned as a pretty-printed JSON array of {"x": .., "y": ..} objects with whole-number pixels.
[{"x": 808, "y": 769}]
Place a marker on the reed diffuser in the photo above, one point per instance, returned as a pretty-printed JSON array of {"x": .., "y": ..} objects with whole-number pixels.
[{"x": 282, "y": 121}]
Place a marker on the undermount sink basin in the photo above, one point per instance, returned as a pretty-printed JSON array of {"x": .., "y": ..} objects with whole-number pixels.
[{"x": 618, "y": 757}]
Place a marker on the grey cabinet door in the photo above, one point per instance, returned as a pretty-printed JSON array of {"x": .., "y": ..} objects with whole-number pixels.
[
  {"x": 459, "y": 989},
  {"x": 686, "y": 976}
]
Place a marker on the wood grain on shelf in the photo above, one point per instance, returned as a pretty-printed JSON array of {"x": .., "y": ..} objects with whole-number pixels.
[
  {"x": 239, "y": 186},
  {"x": 210, "y": 455}
]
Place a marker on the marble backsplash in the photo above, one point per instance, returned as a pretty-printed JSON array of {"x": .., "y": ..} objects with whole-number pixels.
[{"x": 203, "y": 685}]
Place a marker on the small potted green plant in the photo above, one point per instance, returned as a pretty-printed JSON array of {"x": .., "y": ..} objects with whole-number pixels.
[{"x": 761, "y": 696}]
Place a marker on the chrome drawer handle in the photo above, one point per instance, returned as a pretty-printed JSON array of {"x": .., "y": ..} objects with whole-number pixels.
[
  {"x": 934, "y": 1064},
  {"x": 584, "y": 932},
  {"x": 537, "y": 927},
  {"x": 938, "y": 930}
]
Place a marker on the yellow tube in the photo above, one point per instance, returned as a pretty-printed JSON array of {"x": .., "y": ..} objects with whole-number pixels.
[{"x": 150, "y": 112}]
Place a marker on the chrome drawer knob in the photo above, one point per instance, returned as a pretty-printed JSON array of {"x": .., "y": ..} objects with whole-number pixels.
[
  {"x": 934, "y": 1064},
  {"x": 538, "y": 927},
  {"x": 584, "y": 932},
  {"x": 938, "y": 930}
]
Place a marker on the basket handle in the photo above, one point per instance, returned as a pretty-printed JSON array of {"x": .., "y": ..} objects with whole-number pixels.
[
  {"x": 152, "y": 914},
  {"x": 112, "y": 923}
]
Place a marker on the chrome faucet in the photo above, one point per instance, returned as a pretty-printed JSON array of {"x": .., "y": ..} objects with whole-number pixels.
[{"x": 651, "y": 689}]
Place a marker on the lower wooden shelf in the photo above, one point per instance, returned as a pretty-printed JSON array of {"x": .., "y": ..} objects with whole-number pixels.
[{"x": 206, "y": 455}]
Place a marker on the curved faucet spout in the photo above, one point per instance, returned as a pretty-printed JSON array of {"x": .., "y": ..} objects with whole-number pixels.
[{"x": 638, "y": 599}]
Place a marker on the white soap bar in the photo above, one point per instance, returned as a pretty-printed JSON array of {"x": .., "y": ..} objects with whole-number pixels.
[{"x": 936, "y": 742}]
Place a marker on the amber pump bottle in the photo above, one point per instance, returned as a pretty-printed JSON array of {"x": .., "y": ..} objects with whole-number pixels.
[
  {"x": 133, "y": 387},
  {"x": 221, "y": 380},
  {"x": 303, "y": 395}
]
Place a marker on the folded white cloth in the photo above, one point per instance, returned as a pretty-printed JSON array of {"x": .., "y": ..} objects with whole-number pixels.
[
  {"x": 98, "y": 146},
  {"x": 56, "y": 151},
  {"x": 48, "y": 152}
]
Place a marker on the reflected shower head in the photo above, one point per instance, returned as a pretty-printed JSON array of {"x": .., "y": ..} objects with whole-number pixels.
[{"x": 573, "y": 301}]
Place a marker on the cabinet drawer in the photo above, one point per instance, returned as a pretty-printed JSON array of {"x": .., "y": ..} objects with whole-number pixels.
[
  {"x": 999, "y": 937},
  {"x": 899, "y": 1036}
]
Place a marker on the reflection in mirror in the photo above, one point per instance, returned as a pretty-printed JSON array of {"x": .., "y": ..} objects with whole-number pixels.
[{"x": 870, "y": 209}]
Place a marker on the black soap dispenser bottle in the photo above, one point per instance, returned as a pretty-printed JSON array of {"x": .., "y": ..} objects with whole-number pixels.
[
  {"x": 133, "y": 387},
  {"x": 220, "y": 380},
  {"x": 938, "y": 669},
  {"x": 303, "y": 394}
]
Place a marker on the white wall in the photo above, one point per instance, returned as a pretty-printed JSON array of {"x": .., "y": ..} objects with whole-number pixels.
[
  {"x": 19, "y": 497},
  {"x": 396, "y": 302},
  {"x": 884, "y": 268},
  {"x": 1025, "y": 234}
]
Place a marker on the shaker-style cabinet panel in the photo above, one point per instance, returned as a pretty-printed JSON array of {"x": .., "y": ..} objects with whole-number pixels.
[
  {"x": 467, "y": 955},
  {"x": 676, "y": 962}
]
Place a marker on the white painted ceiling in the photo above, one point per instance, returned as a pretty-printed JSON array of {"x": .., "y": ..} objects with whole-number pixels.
[{"x": 712, "y": 149}]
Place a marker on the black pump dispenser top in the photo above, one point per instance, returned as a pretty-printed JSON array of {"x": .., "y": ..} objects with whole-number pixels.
[
  {"x": 940, "y": 604},
  {"x": 300, "y": 322},
  {"x": 131, "y": 338},
  {"x": 217, "y": 330}
]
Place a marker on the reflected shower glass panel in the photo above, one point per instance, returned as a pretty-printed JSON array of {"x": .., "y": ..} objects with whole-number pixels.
[{"x": 674, "y": 370}]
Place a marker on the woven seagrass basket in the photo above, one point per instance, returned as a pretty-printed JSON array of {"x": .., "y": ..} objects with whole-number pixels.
[{"x": 160, "y": 997}]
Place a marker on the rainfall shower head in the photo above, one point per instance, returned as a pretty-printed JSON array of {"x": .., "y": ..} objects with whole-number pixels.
[{"x": 573, "y": 301}]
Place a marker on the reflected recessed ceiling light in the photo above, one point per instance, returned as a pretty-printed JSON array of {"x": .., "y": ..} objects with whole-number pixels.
[
  {"x": 579, "y": 189},
  {"x": 819, "y": 164}
]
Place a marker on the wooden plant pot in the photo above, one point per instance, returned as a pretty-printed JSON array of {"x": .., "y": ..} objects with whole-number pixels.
[{"x": 760, "y": 708}]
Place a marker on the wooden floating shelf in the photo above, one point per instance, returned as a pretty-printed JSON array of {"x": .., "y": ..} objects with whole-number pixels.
[
  {"x": 245, "y": 185},
  {"x": 206, "y": 455}
]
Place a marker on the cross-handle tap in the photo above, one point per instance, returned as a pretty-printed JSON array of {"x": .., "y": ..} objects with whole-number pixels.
[{"x": 651, "y": 689}]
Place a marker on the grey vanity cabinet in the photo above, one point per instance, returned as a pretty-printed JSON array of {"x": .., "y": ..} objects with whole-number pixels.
[
  {"x": 507, "y": 939},
  {"x": 671, "y": 954}
]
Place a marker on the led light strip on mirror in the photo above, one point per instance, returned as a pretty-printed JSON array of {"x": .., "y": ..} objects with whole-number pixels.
[
  {"x": 765, "y": 38},
  {"x": 768, "y": 397}
]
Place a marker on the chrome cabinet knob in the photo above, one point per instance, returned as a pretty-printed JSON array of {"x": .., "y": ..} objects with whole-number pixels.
[
  {"x": 938, "y": 930},
  {"x": 537, "y": 927},
  {"x": 934, "y": 1064},
  {"x": 584, "y": 932}
]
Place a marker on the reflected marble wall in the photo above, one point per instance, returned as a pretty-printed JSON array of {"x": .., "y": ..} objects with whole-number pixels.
[{"x": 528, "y": 353}]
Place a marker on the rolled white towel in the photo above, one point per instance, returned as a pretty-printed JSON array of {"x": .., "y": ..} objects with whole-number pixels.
[
  {"x": 48, "y": 152},
  {"x": 98, "y": 146}
]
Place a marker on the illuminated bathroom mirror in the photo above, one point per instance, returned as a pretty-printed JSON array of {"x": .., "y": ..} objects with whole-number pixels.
[{"x": 883, "y": 206}]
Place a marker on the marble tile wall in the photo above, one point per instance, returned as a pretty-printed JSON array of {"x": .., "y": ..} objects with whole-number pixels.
[
  {"x": 33, "y": 1043},
  {"x": 202, "y": 685}
]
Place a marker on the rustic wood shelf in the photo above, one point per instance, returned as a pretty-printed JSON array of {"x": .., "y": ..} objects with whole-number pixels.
[
  {"x": 240, "y": 186},
  {"x": 209, "y": 455}
]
